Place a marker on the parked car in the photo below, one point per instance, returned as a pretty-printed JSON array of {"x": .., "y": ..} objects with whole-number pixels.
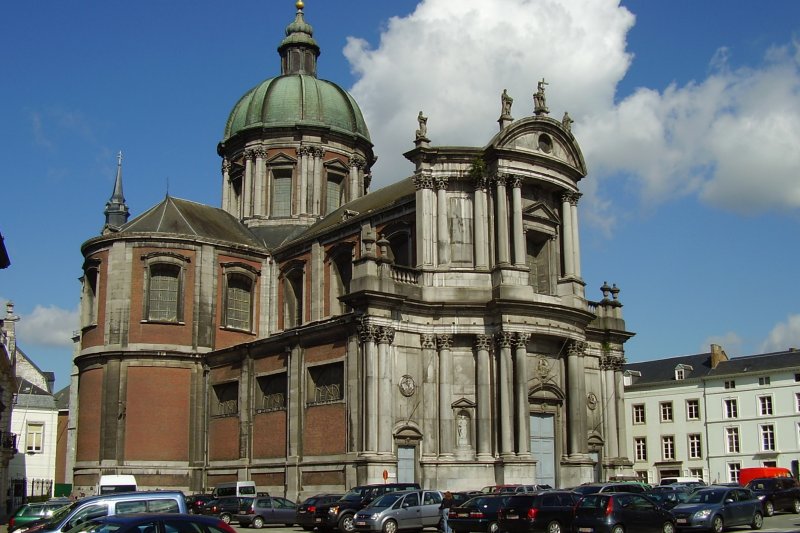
[
  {"x": 196, "y": 502},
  {"x": 399, "y": 511},
  {"x": 153, "y": 523},
  {"x": 340, "y": 514},
  {"x": 307, "y": 509},
  {"x": 667, "y": 498},
  {"x": 715, "y": 508},
  {"x": 513, "y": 488},
  {"x": 227, "y": 508},
  {"x": 267, "y": 510},
  {"x": 618, "y": 486},
  {"x": 32, "y": 512},
  {"x": 547, "y": 512},
  {"x": 619, "y": 512},
  {"x": 478, "y": 514},
  {"x": 777, "y": 494}
]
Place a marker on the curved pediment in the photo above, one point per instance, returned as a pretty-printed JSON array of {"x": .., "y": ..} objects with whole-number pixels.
[{"x": 543, "y": 137}]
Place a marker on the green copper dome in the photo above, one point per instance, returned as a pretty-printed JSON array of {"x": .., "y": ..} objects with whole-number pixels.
[{"x": 297, "y": 100}]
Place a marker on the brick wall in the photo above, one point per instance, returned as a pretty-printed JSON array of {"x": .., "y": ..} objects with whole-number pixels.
[
  {"x": 90, "y": 405},
  {"x": 325, "y": 429}
]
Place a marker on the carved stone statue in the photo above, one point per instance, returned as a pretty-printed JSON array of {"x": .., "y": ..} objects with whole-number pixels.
[
  {"x": 422, "y": 132},
  {"x": 539, "y": 103},
  {"x": 567, "y": 121},
  {"x": 463, "y": 430},
  {"x": 506, "y": 102}
]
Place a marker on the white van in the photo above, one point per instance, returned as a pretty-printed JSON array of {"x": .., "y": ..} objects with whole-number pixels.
[
  {"x": 235, "y": 488},
  {"x": 118, "y": 483},
  {"x": 682, "y": 481}
]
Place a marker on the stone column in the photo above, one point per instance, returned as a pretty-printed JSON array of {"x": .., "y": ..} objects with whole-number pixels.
[
  {"x": 226, "y": 185},
  {"x": 368, "y": 334},
  {"x": 483, "y": 392},
  {"x": 576, "y": 246},
  {"x": 424, "y": 214},
  {"x": 442, "y": 226},
  {"x": 516, "y": 216},
  {"x": 446, "y": 421},
  {"x": 609, "y": 406},
  {"x": 505, "y": 386},
  {"x": 430, "y": 415},
  {"x": 619, "y": 398},
  {"x": 356, "y": 168},
  {"x": 566, "y": 234},
  {"x": 577, "y": 399},
  {"x": 247, "y": 185},
  {"x": 502, "y": 221},
  {"x": 481, "y": 225},
  {"x": 302, "y": 170},
  {"x": 316, "y": 193},
  {"x": 521, "y": 407},
  {"x": 258, "y": 188},
  {"x": 385, "y": 393}
]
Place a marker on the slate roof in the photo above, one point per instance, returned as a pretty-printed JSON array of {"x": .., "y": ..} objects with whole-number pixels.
[
  {"x": 31, "y": 396},
  {"x": 758, "y": 363},
  {"x": 62, "y": 399},
  {"x": 662, "y": 370},
  {"x": 178, "y": 217}
]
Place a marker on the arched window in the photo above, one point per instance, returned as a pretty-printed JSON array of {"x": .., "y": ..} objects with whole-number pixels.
[
  {"x": 90, "y": 286},
  {"x": 293, "y": 297},
  {"x": 239, "y": 302},
  {"x": 401, "y": 244},
  {"x": 164, "y": 287},
  {"x": 341, "y": 274}
]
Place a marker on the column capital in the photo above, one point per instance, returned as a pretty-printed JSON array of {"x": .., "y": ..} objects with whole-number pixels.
[
  {"x": 444, "y": 341},
  {"x": 428, "y": 341},
  {"x": 483, "y": 342},
  {"x": 249, "y": 153},
  {"x": 385, "y": 334},
  {"x": 317, "y": 151},
  {"x": 304, "y": 150},
  {"x": 574, "y": 197},
  {"x": 480, "y": 183},
  {"x": 357, "y": 162},
  {"x": 260, "y": 153},
  {"x": 226, "y": 165},
  {"x": 520, "y": 340},
  {"x": 423, "y": 181},
  {"x": 367, "y": 332},
  {"x": 577, "y": 348},
  {"x": 500, "y": 179},
  {"x": 504, "y": 338},
  {"x": 441, "y": 183},
  {"x": 515, "y": 181}
]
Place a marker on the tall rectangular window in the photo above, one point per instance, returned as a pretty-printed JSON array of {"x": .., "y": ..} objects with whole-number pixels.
[
  {"x": 460, "y": 225},
  {"x": 34, "y": 436},
  {"x": 695, "y": 446},
  {"x": 640, "y": 448},
  {"x": 693, "y": 409},
  {"x": 797, "y": 401},
  {"x": 238, "y": 302},
  {"x": 768, "y": 438},
  {"x": 638, "y": 414},
  {"x": 668, "y": 448},
  {"x": 733, "y": 472},
  {"x": 163, "y": 292},
  {"x": 731, "y": 408},
  {"x": 281, "y": 193},
  {"x": 765, "y": 405},
  {"x": 732, "y": 440},
  {"x": 666, "y": 411}
]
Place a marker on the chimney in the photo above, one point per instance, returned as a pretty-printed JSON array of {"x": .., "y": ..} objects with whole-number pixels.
[{"x": 717, "y": 355}]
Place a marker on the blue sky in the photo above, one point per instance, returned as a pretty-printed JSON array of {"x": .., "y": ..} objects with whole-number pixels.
[{"x": 688, "y": 114}]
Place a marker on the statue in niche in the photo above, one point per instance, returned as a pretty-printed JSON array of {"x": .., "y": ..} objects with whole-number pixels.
[
  {"x": 506, "y": 102},
  {"x": 422, "y": 132},
  {"x": 462, "y": 425}
]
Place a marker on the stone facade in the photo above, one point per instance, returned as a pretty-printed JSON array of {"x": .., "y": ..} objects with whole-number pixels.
[{"x": 312, "y": 335}]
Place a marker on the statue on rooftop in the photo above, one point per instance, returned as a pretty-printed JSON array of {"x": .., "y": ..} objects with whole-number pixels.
[{"x": 539, "y": 103}]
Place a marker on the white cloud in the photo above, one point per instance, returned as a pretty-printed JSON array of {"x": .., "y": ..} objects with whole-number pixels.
[
  {"x": 47, "y": 326},
  {"x": 729, "y": 139},
  {"x": 783, "y": 336}
]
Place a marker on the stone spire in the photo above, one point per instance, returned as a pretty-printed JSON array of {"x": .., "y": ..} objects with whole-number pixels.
[
  {"x": 299, "y": 51},
  {"x": 116, "y": 209}
]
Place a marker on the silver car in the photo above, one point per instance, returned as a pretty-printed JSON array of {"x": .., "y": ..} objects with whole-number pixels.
[{"x": 395, "y": 511}]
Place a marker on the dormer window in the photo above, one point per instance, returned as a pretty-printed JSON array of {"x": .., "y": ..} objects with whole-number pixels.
[
  {"x": 628, "y": 375},
  {"x": 682, "y": 371}
]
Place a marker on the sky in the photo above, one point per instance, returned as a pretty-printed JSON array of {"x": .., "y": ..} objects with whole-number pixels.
[{"x": 687, "y": 113}]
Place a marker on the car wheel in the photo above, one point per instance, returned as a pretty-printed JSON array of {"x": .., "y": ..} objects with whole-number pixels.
[
  {"x": 554, "y": 527},
  {"x": 758, "y": 521},
  {"x": 668, "y": 527},
  {"x": 796, "y": 506},
  {"x": 346, "y": 524},
  {"x": 618, "y": 529},
  {"x": 717, "y": 525},
  {"x": 769, "y": 508},
  {"x": 258, "y": 522},
  {"x": 390, "y": 527},
  {"x": 494, "y": 527}
]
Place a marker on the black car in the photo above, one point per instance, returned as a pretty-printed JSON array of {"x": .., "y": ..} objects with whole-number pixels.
[
  {"x": 478, "y": 514},
  {"x": 668, "y": 498},
  {"x": 623, "y": 486},
  {"x": 545, "y": 512},
  {"x": 339, "y": 514},
  {"x": 777, "y": 494},
  {"x": 228, "y": 507},
  {"x": 618, "y": 512},
  {"x": 307, "y": 509},
  {"x": 196, "y": 502}
]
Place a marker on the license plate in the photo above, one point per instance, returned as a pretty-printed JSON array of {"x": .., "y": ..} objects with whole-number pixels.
[
  {"x": 361, "y": 523},
  {"x": 585, "y": 530},
  {"x": 463, "y": 515},
  {"x": 512, "y": 517},
  {"x": 681, "y": 520},
  {"x": 318, "y": 520}
]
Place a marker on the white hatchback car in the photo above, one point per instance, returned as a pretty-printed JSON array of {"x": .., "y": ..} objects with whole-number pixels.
[{"x": 396, "y": 511}]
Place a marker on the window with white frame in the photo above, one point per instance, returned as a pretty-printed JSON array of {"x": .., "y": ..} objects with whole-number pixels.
[
  {"x": 679, "y": 373},
  {"x": 730, "y": 384},
  {"x": 666, "y": 411},
  {"x": 765, "y": 405},
  {"x": 696, "y": 472},
  {"x": 34, "y": 435},
  {"x": 733, "y": 472},
  {"x": 640, "y": 448},
  {"x": 731, "y": 408},
  {"x": 732, "y": 440},
  {"x": 797, "y": 401},
  {"x": 768, "y": 438},
  {"x": 668, "y": 448},
  {"x": 638, "y": 413},
  {"x": 762, "y": 381},
  {"x": 693, "y": 409},
  {"x": 695, "y": 446}
]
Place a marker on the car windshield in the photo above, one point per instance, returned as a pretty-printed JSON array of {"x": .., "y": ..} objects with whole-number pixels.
[
  {"x": 387, "y": 500},
  {"x": 587, "y": 489},
  {"x": 354, "y": 495},
  {"x": 60, "y": 514},
  {"x": 707, "y": 496}
]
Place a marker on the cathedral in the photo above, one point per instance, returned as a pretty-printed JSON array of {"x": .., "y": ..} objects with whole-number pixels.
[{"x": 311, "y": 335}]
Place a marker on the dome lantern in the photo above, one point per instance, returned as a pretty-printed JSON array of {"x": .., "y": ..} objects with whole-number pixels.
[{"x": 299, "y": 51}]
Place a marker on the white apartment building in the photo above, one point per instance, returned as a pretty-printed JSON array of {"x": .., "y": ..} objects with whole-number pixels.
[{"x": 709, "y": 416}]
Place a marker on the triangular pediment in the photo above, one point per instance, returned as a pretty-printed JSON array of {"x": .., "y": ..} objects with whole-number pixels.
[
  {"x": 336, "y": 164},
  {"x": 463, "y": 403},
  {"x": 281, "y": 159},
  {"x": 541, "y": 211}
]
